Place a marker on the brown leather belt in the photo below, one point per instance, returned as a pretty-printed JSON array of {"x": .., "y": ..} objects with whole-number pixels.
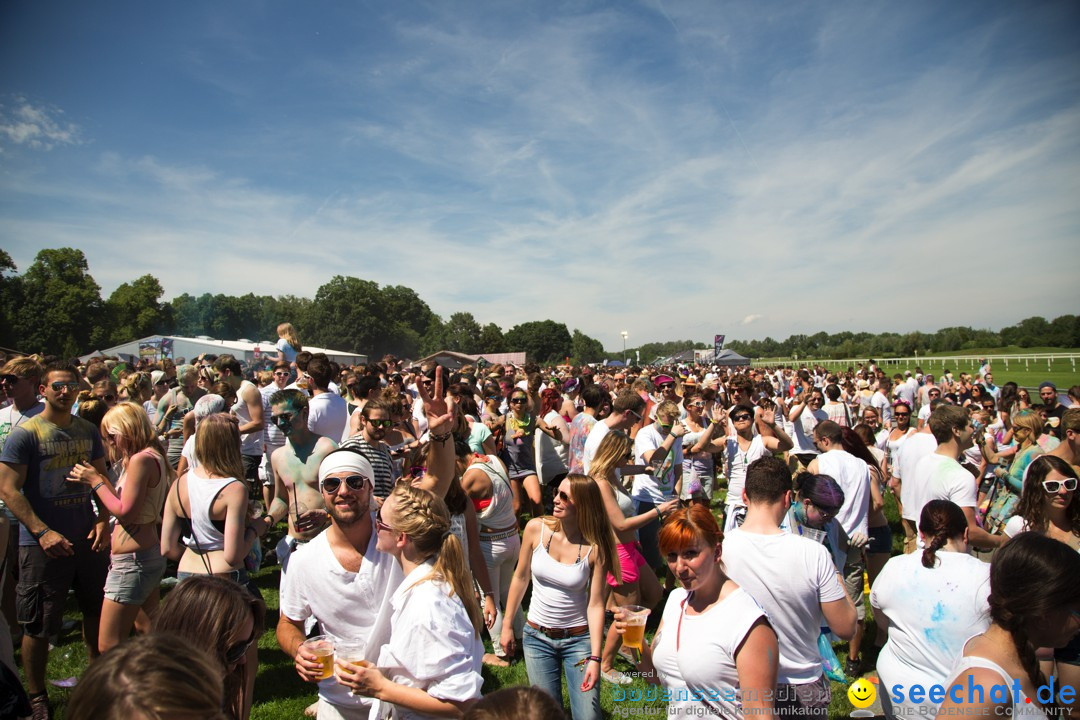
[{"x": 559, "y": 633}]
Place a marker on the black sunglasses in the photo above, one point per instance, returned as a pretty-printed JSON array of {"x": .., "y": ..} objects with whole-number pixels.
[
  {"x": 58, "y": 386},
  {"x": 235, "y": 653},
  {"x": 517, "y": 400},
  {"x": 740, "y": 418},
  {"x": 380, "y": 423},
  {"x": 355, "y": 482},
  {"x": 283, "y": 420}
]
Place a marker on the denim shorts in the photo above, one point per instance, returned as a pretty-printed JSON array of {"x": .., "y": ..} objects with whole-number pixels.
[{"x": 134, "y": 576}]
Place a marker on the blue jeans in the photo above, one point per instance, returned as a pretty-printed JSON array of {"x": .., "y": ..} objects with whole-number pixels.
[
  {"x": 543, "y": 656},
  {"x": 649, "y": 536}
]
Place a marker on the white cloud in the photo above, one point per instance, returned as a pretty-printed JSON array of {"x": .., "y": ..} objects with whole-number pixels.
[
  {"x": 750, "y": 319},
  {"x": 37, "y": 127}
]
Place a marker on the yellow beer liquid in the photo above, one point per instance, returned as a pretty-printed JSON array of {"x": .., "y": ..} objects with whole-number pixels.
[
  {"x": 327, "y": 661},
  {"x": 634, "y": 636}
]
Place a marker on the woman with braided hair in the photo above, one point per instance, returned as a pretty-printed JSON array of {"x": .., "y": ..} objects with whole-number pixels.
[
  {"x": 431, "y": 665},
  {"x": 931, "y": 602},
  {"x": 1034, "y": 602}
]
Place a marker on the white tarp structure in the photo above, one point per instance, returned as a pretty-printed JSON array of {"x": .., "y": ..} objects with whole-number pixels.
[{"x": 156, "y": 347}]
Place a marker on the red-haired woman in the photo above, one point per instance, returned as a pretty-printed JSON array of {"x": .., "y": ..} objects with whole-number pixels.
[
  {"x": 553, "y": 442},
  {"x": 713, "y": 636}
]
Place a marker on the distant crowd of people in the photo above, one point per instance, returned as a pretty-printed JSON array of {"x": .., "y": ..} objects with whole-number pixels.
[{"x": 414, "y": 511}]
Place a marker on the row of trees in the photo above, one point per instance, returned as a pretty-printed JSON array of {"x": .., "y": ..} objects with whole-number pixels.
[
  {"x": 1062, "y": 332},
  {"x": 56, "y": 307}
]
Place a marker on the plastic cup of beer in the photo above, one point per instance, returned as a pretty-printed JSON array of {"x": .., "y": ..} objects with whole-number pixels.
[
  {"x": 349, "y": 652},
  {"x": 634, "y": 616},
  {"x": 322, "y": 646}
]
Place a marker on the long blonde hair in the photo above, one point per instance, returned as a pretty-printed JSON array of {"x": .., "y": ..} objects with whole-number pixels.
[
  {"x": 217, "y": 445},
  {"x": 288, "y": 332},
  {"x": 611, "y": 453},
  {"x": 423, "y": 516},
  {"x": 130, "y": 422},
  {"x": 592, "y": 521}
]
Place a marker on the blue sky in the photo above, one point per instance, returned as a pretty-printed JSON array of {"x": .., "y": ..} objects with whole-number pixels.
[{"x": 674, "y": 170}]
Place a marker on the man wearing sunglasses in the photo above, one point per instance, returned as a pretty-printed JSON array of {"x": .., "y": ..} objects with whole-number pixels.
[
  {"x": 296, "y": 471},
  {"x": 369, "y": 442},
  {"x": 20, "y": 377},
  {"x": 339, "y": 579},
  {"x": 625, "y": 413},
  {"x": 61, "y": 542}
]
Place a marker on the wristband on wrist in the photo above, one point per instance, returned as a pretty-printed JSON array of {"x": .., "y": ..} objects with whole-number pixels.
[
  {"x": 658, "y": 515},
  {"x": 39, "y": 535},
  {"x": 593, "y": 658},
  {"x": 440, "y": 438},
  {"x": 95, "y": 488}
]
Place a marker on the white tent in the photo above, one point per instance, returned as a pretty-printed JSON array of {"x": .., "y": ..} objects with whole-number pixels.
[{"x": 157, "y": 347}]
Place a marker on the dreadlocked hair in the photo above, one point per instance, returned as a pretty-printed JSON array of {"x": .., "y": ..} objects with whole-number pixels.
[
  {"x": 423, "y": 516},
  {"x": 941, "y": 521},
  {"x": 1051, "y": 581}
]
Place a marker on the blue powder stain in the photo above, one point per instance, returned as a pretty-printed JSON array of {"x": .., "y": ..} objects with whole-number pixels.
[
  {"x": 938, "y": 614},
  {"x": 935, "y": 637}
]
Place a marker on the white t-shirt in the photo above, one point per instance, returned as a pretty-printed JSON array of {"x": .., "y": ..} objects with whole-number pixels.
[
  {"x": 189, "y": 452},
  {"x": 697, "y": 653},
  {"x": 932, "y": 612},
  {"x": 883, "y": 406},
  {"x": 737, "y": 463},
  {"x": 938, "y": 477},
  {"x": 924, "y": 414},
  {"x": 853, "y": 477},
  {"x": 348, "y": 606},
  {"x": 433, "y": 645},
  {"x": 790, "y": 577},
  {"x": 907, "y": 457},
  {"x": 271, "y": 434},
  {"x": 11, "y": 418},
  {"x": 592, "y": 443},
  {"x": 328, "y": 415},
  {"x": 661, "y": 486},
  {"x": 804, "y": 431}
]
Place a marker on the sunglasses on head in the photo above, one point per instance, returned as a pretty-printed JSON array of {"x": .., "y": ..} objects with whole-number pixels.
[
  {"x": 1053, "y": 486},
  {"x": 355, "y": 483}
]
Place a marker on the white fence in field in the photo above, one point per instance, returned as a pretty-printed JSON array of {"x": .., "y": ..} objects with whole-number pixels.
[{"x": 955, "y": 363}]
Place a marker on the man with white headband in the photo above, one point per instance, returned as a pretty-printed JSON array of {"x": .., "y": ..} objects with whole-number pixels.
[{"x": 340, "y": 578}]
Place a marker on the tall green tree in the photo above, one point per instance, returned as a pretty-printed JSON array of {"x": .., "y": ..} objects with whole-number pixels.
[
  {"x": 462, "y": 333},
  {"x": 491, "y": 339},
  {"x": 11, "y": 299},
  {"x": 62, "y": 309},
  {"x": 135, "y": 310},
  {"x": 585, "y": 349},
  {"x": 542, "y": 340}
]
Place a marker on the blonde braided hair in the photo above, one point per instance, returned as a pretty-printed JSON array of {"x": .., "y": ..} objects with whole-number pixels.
[{"x": 423, "y": 516}]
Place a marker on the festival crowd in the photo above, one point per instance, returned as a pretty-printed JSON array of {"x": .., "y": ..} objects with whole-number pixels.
[{"x": 415, "y": 511}]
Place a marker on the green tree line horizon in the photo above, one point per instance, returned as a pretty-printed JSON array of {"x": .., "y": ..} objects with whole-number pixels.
[{"x": 55, "y": 307}]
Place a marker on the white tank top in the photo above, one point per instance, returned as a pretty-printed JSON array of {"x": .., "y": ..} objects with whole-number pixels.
[
  {"x": 560, "y": 592},
  {"x": 251, "y": 442},
  {"x": 499, "y": 514},
  {"x": 1021, "y": 706},
  {"x": 201, "y": 494}
]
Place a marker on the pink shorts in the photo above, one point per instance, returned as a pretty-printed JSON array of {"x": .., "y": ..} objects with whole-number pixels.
[{"x": 630, "y": 559}]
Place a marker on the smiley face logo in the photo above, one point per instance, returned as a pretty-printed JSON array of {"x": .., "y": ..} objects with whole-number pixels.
[{"x": 861, "y": 693}]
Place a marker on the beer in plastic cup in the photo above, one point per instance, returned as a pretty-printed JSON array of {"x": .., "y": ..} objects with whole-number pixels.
[
  {"x": 350, "y": 652},
  {"x": 322, "y": 646},
  {"x": 634, "y": 616}
]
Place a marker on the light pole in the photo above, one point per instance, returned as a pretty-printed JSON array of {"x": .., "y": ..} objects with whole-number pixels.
[{"x": 624, "y": 336}]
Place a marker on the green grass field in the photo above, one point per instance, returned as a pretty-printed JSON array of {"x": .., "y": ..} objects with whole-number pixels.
[{"x": 281, "y": 695}]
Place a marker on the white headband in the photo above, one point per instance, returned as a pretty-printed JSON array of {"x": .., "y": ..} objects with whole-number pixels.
[{"x": 345, "y": 461}]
